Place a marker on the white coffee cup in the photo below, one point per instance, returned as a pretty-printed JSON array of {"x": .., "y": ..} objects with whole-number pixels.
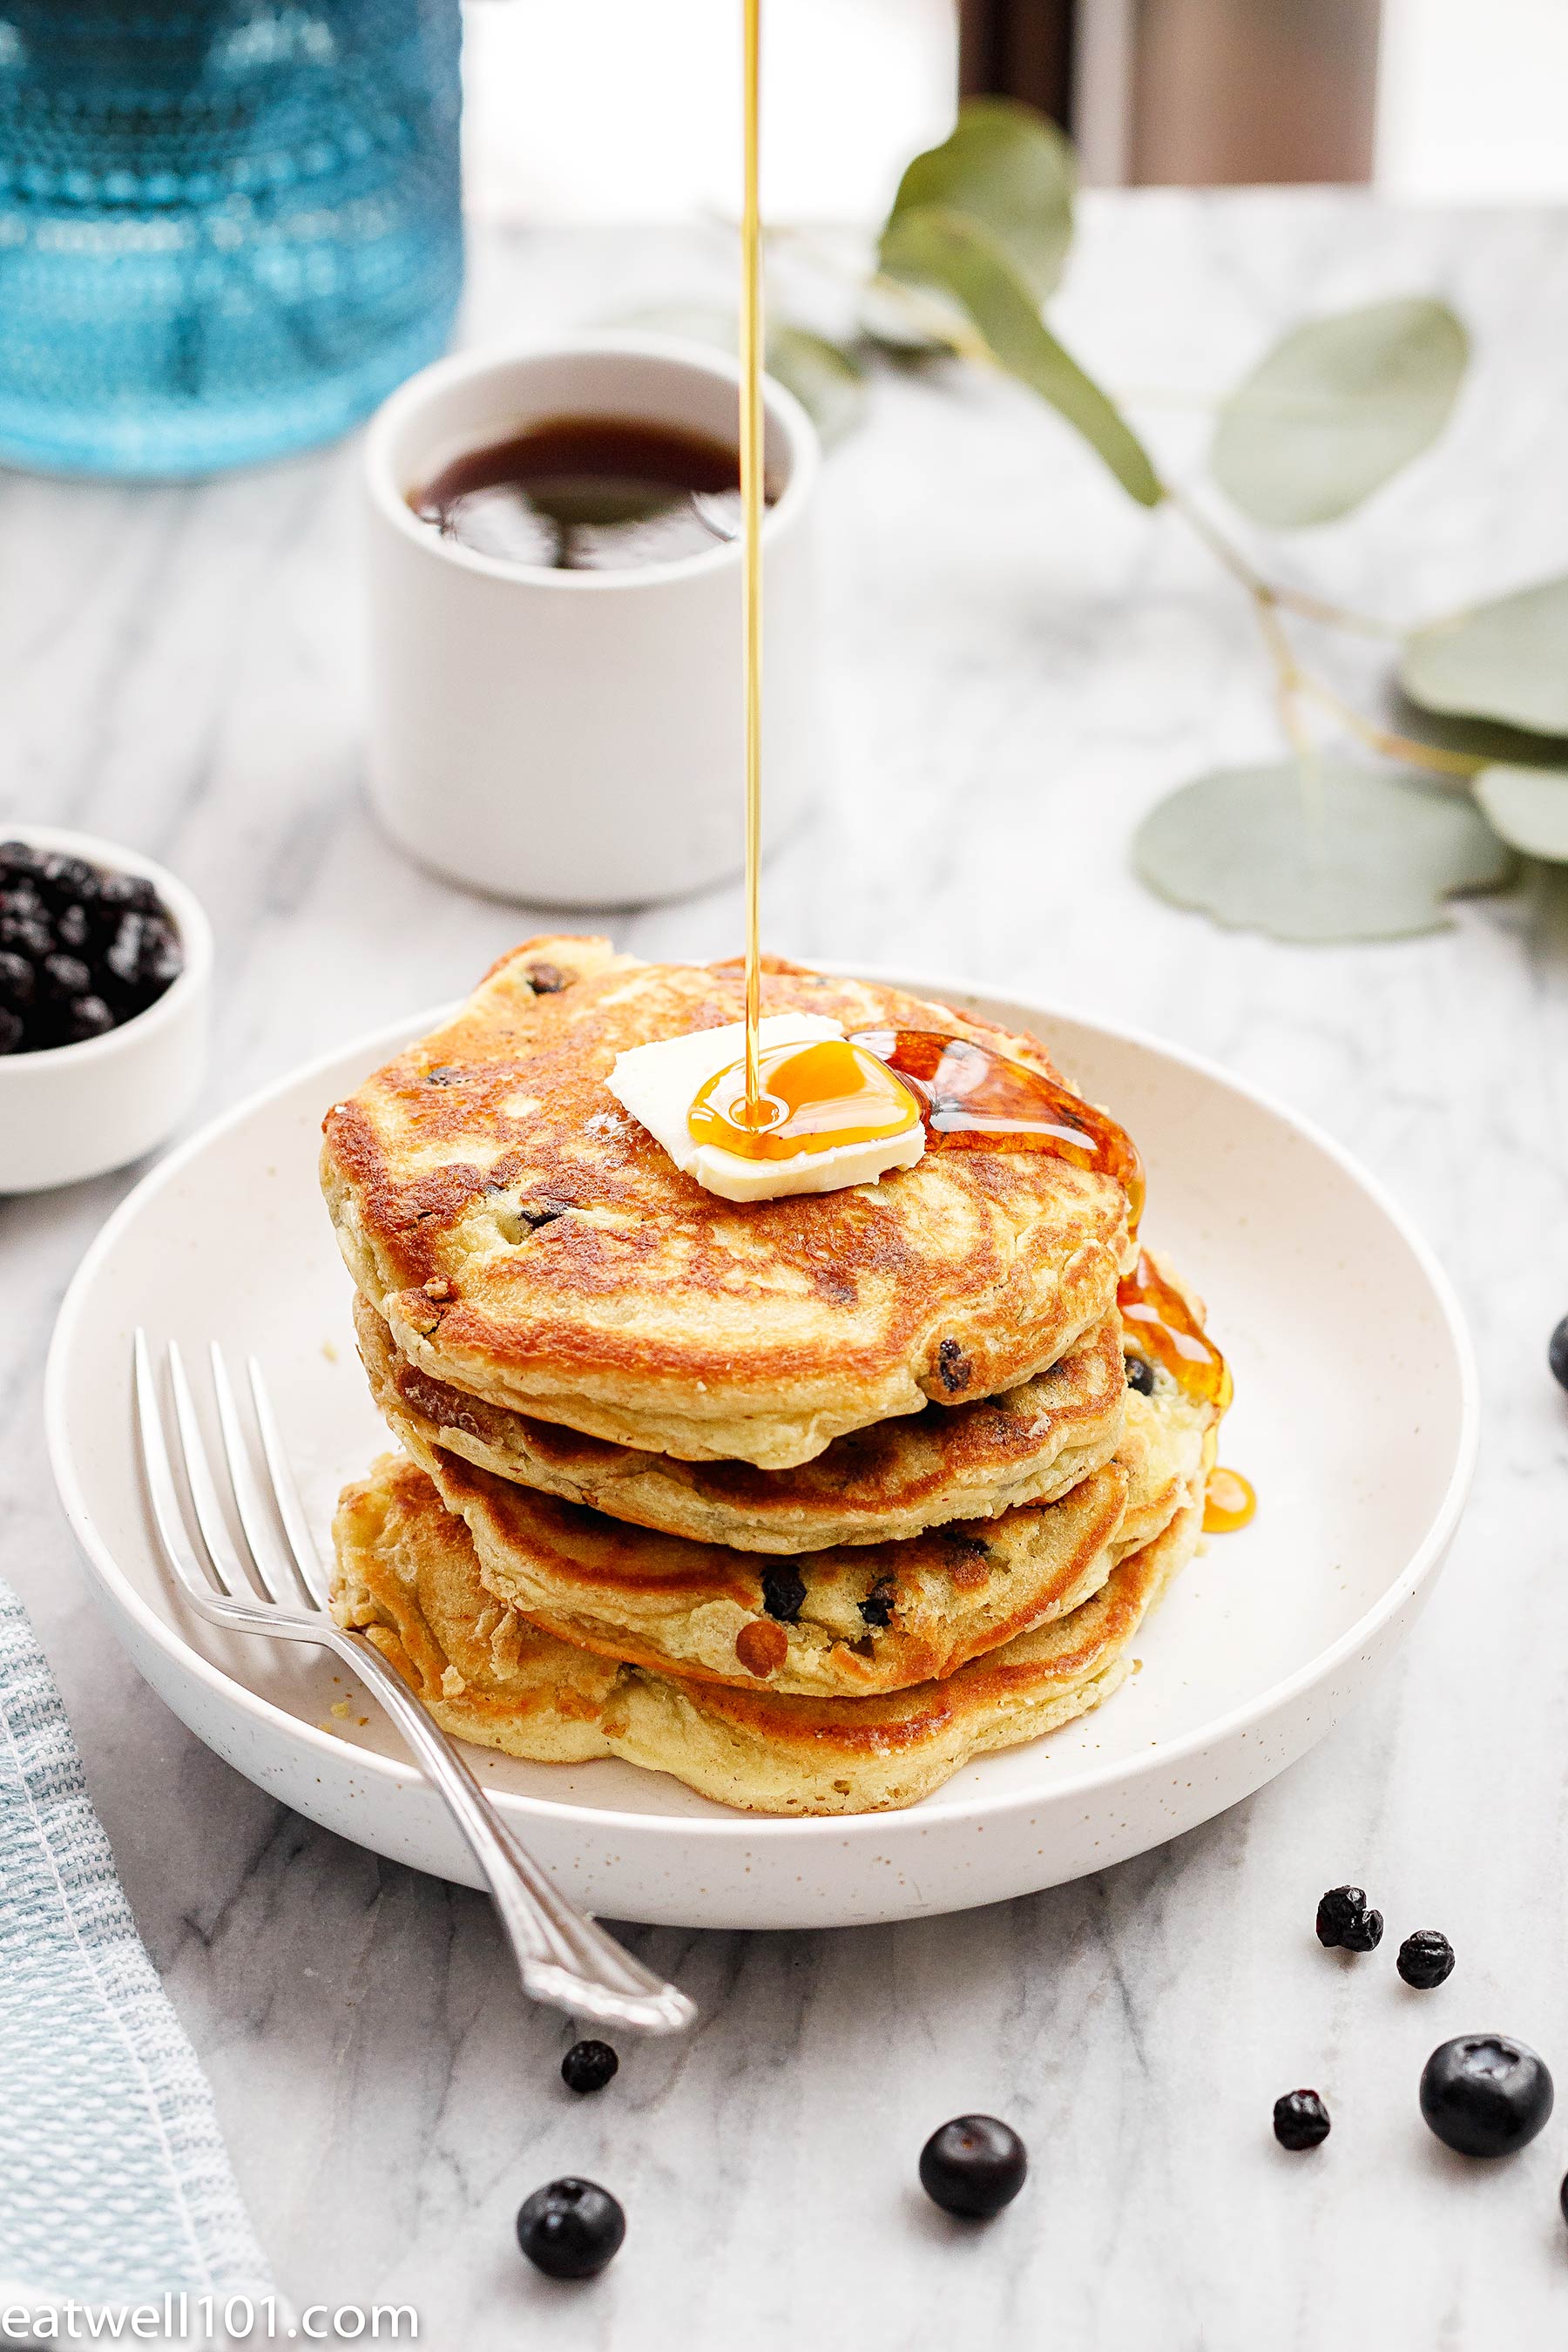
[{"x": 575, "y": 738}]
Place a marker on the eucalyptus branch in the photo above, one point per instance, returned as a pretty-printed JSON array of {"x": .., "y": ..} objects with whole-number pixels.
[
  {"x": 1292, "y": 681},
  {"x": 935, "y": 320},
  {"x": 1388, "y": 740},
  {"x": 1289, "y": 682},
  {"x": 959, "y": 312},
  {"x": 1325, "y": 844},
  {"x": 1336, "y": 616}
]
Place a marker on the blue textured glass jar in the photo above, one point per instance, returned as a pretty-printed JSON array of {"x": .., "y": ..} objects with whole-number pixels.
[{"x": 228, "y": 227}]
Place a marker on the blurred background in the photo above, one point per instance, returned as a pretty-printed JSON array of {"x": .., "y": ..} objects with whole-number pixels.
[
  {"x": 1433, "y": 100},
  {"x": 231, "y": 227}
]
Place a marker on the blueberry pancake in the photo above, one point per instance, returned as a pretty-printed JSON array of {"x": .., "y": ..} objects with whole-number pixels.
[
  {"x": 843, "y": 1623},
  {"x": 1161, "y": 1450},
  {"x": 1165, "y": 1432},
  {"x": 530, "y": 1243},
  {"x": 839, "y": 1622},
  {"x": 875, "y": 1485},
  {"x": 407, "y": 1574}
]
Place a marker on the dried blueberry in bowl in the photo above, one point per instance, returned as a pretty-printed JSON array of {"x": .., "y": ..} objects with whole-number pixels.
[
  {"x": 84, "y": 948},
  {"x": 105, "y": 995}
]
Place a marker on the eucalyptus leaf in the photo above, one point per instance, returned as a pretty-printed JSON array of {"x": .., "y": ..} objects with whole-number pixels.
[
  {"x": 1529, "y": 806},
  {"x": 1487, "y": 741},
  {"x": 908, "y": 339},
  {"x": 1013, "y": 172},
  {"x": 945, "y": 249},
  {"x": 1336, "y": 408},
  {"x": 826, "y": 378},
  {"x": 1508, "y": 660},
  {"x": 1326, "y": 850}
]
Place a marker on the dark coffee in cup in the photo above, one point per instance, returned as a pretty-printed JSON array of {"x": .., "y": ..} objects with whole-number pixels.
[{"x": 588, "y": 494}]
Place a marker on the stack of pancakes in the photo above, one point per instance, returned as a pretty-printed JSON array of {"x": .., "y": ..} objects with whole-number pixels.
[{"x": 805, "y": 1501}]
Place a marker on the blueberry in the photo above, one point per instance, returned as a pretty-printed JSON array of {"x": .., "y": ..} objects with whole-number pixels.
[
  {"x": 1139, "y": 1374},
  {"x": 125, "y": 893},
  {"x": 161, "y": 959},
  {"x": 783, "y": 1594},
  {"x": 21, "y": 898},
  {"x": 67, "y": 880},
  {"x": 973, "y": 2166},
  {"x": 1557, "y": 1353},
  {"x": 569, "y": 2229},
  {"x": 1344, "y": 1918},
  {"x": 1563, "y": 2196},
  {"x": 1300, "y": 2120},
  {"x": 588, "y": 2065},
  {"x": 88, "y": 1017},
  {"x": 1426, "y": 1960},
  {"x": 72, "y": 928},
  {"x": 27, "y": 935},
  {"x": 19, "y": 857},
  {"x": 65, "y": 977},
  {"x": 11, "y": 1030},
  {"x": 18, "y": 981},
  {"x": 876, "y": 1609},
  {"x": 123, "y": 954},
  {"x": 1485, "y": 2093}
]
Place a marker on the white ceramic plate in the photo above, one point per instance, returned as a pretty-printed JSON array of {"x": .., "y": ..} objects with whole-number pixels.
[{"x": 1355, "y": 1416}]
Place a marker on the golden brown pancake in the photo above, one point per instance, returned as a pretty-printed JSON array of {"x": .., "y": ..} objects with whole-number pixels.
[
  {"x": 407, "y": 1574},
  {"x": 875, "y": 1485},
  {"x": 1165, "y": 1433},
  {"x": 839, "y": 1623},
  {"x": 531, "y": 1243},
  {"x": 1162, "y": 1450}
]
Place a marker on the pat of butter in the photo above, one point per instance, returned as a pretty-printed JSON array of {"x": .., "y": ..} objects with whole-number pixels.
[{"x": 658, "y": 1084}]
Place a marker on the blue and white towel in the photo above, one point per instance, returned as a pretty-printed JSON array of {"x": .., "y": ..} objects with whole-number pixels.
[{"x": 115, "y": 2189}]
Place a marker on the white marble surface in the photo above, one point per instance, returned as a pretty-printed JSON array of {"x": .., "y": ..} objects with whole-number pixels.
[{"x": 1020, "y": 663}]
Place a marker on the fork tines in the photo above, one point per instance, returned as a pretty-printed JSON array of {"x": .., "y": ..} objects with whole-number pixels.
[{"x": 279, "y": 1562}]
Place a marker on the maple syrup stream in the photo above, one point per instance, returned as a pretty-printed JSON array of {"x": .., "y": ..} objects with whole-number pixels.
[{"x": 752, "y": 491}]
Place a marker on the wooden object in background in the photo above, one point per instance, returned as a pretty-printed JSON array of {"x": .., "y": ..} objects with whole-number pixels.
[
  {"x": 1189, "y": 92},
  {"x": 1018, "y": 48},
  {"x": 1241, "y": 91}
]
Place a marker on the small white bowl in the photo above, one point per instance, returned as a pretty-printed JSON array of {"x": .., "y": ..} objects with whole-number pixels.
[{"x": 75, "y": 1111}]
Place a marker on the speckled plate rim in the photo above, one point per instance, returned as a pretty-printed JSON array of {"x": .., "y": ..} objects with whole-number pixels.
[{"x": 754, "y": 1829}]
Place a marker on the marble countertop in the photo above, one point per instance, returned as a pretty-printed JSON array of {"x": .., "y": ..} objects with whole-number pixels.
[{"x": 1020, "y": 663}]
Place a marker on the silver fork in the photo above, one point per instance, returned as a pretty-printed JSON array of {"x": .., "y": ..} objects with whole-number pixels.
[{"x": 564, "y": 1958}]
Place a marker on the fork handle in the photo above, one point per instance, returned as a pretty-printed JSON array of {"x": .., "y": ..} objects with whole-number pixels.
[{"x": 564, "y": 1957}]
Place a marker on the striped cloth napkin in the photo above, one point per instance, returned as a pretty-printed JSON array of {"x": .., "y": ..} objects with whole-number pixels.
[{"x": 115, "y": 2189}]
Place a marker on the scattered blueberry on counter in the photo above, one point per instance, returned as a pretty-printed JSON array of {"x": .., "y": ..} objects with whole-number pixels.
[
  {"x": 1557, "y": 1353},
  {"x": 1345, "y": 1920},
  {"x": 569, "y": 2229},
  {"x": 81, "y": 951},
  {"x": 1485, "y": 2093},
  {"x": 588, "y": 2065},
  {"x": 973, "y": 2167},
  {"x": 1482, "y": 2094},
  {"x": 1300, "y": 2120},
  {"x": 1426, "y": 1960}
]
